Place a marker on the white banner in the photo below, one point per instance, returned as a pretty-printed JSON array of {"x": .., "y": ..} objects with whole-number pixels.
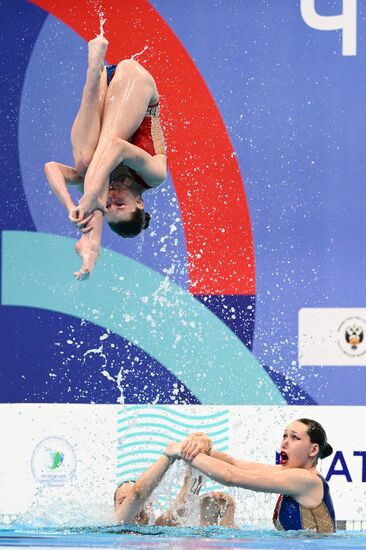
[
  {"x": 332, "y": 337},
  {"x": 60, "y": 463}
]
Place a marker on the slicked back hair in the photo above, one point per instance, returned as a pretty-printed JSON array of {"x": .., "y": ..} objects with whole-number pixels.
[
  {"x": 140, "y": 220},
  {"x": 317, "y": 435}
]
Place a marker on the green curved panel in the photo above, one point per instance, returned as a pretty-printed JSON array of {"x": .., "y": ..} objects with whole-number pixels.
[{"x": 139, "y": 304}]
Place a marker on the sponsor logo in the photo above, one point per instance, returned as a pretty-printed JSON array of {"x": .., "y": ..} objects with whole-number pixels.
[
  {"x": 351, "y": 336},
  {"x": 53, "y": 461}
]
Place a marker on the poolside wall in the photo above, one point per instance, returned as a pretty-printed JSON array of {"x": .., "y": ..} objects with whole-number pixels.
[{"x": 246, "y": 294}]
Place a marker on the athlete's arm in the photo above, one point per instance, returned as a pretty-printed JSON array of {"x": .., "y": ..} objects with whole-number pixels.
[
  {"x": 191, "y": 448},
  {"x": 142, "y": 489},
  {"x": 242, "y": 464},
  {"x": 259, "y": 477},
  {"x": 58, "y": 175},
  {"x": 152, "y": 169}
]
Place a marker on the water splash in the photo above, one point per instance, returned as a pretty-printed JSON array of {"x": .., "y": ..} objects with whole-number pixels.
[
  {"x": 120, "y": 385},
  {"x": 102, "y": 21},
  {"x": 99, "y": 352},
  {"x": 146, "y": 47}
]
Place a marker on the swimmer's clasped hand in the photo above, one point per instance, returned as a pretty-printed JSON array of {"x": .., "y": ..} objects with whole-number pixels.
[
  {"x": 173, "y": 450},
  {"x": 82, "y": 214},
  {"x": 195, "y": 444}
]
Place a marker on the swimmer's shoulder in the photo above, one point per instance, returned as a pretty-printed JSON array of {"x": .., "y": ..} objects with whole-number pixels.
[{"x": 160, "y": 162}]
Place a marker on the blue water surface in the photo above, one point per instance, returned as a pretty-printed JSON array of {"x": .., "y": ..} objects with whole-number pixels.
[{"x": 152, "y": 537}]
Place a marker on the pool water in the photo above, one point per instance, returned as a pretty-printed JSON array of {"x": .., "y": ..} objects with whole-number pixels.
[{"x": 139, "y": 538}]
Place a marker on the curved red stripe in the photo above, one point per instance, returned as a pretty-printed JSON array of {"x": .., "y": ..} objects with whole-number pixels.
[{"x": 201, "y": 158}]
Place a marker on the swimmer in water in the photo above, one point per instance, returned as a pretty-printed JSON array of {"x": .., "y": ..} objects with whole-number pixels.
[
  {"x": 304, "y": 501},
  {"x": 118, "y": 150},
  {"x": 132, "y": 505}
]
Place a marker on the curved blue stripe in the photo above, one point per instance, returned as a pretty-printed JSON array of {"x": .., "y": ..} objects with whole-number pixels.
[
  {"x": 167, "y": 433},
  {"x": 158, "y": 426},
  {"x": 223, "y": 441},
  {"x": 134, "y": 471},
  {"x": 133, "y": 434},
  {"x": 166, "y": 416},
  {"x": 178, "y": 423},
  {"x": 145, "y": 453},
  {"x": 123, "y": 428},
  {"x": 220, "y": 445},
  {"x": 136, "y": 408},
  {"x": 136, "y": 461},
  {"x": 215, "y": 366},
  {"x": 146, "y": 442}
]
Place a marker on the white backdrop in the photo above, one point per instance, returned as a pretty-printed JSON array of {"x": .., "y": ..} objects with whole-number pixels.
[{"x": 59, "y": 463}]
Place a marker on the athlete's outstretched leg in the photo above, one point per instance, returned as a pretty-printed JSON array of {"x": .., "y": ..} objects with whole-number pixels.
[{"x": 85, "y": 131}]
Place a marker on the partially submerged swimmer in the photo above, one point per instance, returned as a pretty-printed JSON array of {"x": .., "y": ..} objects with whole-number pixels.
[
  {"x": 116, "y": 138},
  {"x": 304, "y": 501},
  {"x": 132, "y": 504}
]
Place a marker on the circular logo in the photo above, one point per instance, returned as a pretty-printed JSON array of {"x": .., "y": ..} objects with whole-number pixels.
[
  {"x": 53, "y": 461},
  {"x": 352, "y": 336}
]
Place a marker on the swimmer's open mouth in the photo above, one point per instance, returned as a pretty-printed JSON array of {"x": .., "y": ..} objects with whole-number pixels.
[
  {"x": 116, "y": 203},
  {"x": 283, "y": 457}
]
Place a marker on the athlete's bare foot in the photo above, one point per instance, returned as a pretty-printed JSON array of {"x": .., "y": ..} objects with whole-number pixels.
[
  {"x": 88, "y": 251},
  {"x": 96, "y": 53}
]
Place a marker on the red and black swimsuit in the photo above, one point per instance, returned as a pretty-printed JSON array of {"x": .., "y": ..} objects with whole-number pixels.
[{"x": 148, "y": 136}]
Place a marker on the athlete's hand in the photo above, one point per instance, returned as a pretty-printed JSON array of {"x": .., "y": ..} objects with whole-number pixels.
[
  {"x": 82, "y": 214},
  {"x": 84, "y": 224},
  {"x": 173, "y": 450},
  {"x": 195, "y": 444}
]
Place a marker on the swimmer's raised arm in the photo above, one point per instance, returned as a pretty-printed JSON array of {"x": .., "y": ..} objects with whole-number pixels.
[
  {"x": 126, "y": 510},
  {"x": 241, "y": 464},
  {"x": 200, "y": 442},
  {"x": 259, "y": 477}
]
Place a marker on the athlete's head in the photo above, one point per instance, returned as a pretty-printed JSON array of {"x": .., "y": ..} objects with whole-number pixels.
[
  {"x": 303, "y": 442},
  {"x": 120, "y": 494},
  {"x": 318, "y": 436},
  {"x": 125, "y": 207}
]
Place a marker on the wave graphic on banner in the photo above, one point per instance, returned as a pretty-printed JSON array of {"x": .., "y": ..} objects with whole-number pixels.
[{"x": 144, "y": 432}]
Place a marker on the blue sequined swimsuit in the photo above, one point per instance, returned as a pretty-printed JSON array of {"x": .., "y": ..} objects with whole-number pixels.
[{"x": 290, "y": 515}]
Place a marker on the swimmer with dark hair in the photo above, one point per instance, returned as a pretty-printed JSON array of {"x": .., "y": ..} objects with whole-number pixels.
[
  {"x": 304, "y": 501},
  {"x": 119, "y": 153},
  {"x": 132, "y": 505}
]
